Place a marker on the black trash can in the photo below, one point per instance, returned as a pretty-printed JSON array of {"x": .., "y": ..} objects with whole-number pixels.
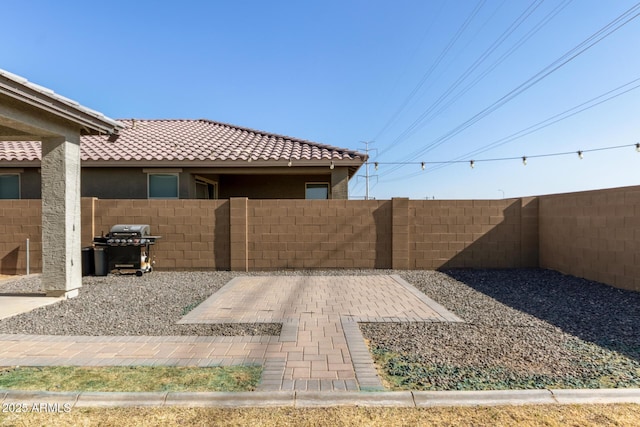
[
  {"x": 88, "y": 266},
  {"x": 101, "y": 262}
]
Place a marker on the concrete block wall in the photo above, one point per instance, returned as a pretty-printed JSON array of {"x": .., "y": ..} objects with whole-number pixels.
[
  {"x": 238, "y": 230},
  {"x": 469, "y": 234},
  {"x": 20, "y": 220},
  {"x": 195, "y": 233},
  {"x": 593, "y": 234},
  {"x": 285, "y": 234}
]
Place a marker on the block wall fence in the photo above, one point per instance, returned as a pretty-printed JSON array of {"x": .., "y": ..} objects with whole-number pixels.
[{"x": 595, "y": 235}]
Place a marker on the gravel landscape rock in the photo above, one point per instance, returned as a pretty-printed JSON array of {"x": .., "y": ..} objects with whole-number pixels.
[
  {"x": 128, "y": 305},
  {"x": 527, "y": 328},
  {"x": 523, "y": 329}
]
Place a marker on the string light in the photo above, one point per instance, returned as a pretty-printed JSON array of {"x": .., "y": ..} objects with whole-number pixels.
[
  {"x": 375, "y": 165},
  {"x": 524, "y": 159},
  {"x": 290, "y": 162},
  {"x": 332, "y": 165}
]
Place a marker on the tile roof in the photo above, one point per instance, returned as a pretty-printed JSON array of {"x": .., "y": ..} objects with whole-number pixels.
[
  {"x": 190, "y": 140},
  {"x": 20, "y": 151}
]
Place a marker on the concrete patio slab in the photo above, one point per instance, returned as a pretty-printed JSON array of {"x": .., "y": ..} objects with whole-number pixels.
[{"x": 12, "y": 305}]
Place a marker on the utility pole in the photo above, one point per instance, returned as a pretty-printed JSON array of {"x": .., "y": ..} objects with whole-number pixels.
[
  {"x": 366, "y": 171},
  {"x": 367, "y": 176}
]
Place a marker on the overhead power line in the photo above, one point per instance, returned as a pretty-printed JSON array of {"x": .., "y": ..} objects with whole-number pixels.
[
  {"x": 569, "y": 56},
  {"x": 436, "y": 107},
  {"x": 584, "y": 106},
  {"x": 433, "y": 66},
  {"x": 587, "y": 105}
]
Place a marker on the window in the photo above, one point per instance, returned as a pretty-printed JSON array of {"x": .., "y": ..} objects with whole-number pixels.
[
  {"x": 318, "y": 191},
  {"x": 206, "y": 189},
  {"x": 10, "y": 186},
  {"x": 163, "y": 185}
]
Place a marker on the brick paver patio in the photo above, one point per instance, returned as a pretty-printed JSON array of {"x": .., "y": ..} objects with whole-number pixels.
[{"x": 320, "y": 346}]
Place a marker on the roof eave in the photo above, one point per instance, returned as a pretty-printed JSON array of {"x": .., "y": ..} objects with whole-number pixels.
[
  {"x": 88, "y": 120},
  {"x": 199, "y": 163},
  {"x": 223, "y": 164}
]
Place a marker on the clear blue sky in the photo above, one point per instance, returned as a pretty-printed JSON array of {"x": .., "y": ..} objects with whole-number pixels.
[{"x": 404, "y": 74}]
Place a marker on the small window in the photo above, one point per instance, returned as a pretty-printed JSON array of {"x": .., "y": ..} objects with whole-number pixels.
[
  {"x": 10, "y": 186},
  {"x": 318, "y": 191},
  {"x": 163, "y": 186}
]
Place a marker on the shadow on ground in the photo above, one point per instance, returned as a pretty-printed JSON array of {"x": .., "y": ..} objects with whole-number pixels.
[{"x": 591, "y": 311}]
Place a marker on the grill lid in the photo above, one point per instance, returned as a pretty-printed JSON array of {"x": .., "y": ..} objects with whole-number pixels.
[{"x": 138, "y": 230}]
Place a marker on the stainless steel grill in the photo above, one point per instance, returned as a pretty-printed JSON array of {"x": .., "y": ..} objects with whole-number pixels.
[{"x": 128, "y": 247}]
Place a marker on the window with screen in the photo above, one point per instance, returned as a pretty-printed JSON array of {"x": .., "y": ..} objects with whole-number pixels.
[
  {"x": 10, "y": 186},
  {"x": 163, "y": 186}
]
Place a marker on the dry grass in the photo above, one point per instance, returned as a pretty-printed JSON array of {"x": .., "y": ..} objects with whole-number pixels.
[
  {"x": 547, "y": 415},
  {"x": 131, "y": 378}
]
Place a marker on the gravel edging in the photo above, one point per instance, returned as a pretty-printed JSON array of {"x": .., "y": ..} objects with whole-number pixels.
[{"x": 526, "y": 328}]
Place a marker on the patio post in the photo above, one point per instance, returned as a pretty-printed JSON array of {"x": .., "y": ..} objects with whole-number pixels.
[{"x": 61, "y": 244}]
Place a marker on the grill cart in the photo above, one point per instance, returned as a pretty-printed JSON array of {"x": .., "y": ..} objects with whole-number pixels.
[{"x": 128, "y": 247}]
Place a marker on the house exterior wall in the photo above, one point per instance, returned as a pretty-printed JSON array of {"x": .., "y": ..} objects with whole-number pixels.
[
  {"x": 340, "y": 183},
  {"x": 267, "y": 186},
  {"x": 114, "y": 183},
  {"x": 131, "y": 183}
]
